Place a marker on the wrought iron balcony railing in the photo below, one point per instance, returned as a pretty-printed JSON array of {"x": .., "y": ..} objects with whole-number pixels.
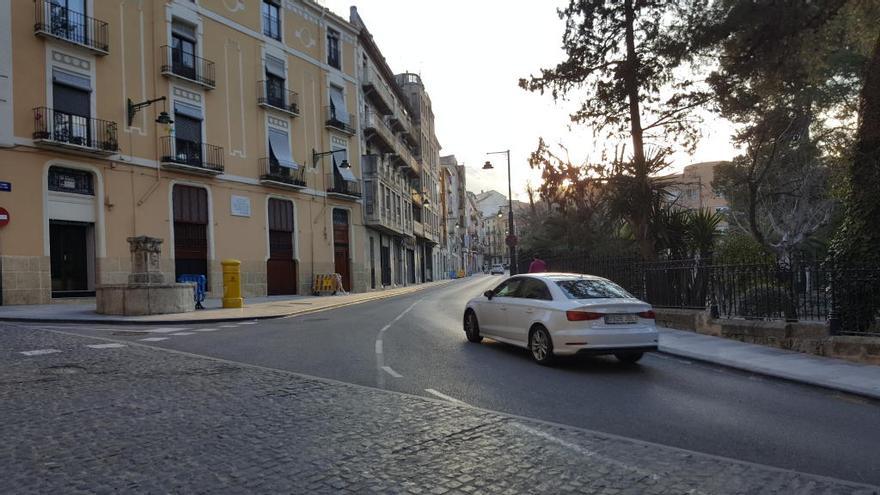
[
  {"x": 275, "y": 96},
  {"x": 374, "y": 123},
  {"x": 339, "y": 121},
  {"x": 57, "y": 21},
  {"x": 285, "y": 174},
  {"x": 192, "y": 155},
  {"x": 75, "y": 131},
  {"x": 338, "y": 185},
  {"x": 184, "y": 65}
]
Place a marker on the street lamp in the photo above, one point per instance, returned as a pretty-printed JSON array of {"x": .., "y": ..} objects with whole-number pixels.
[{"x": 511, "y": 238}]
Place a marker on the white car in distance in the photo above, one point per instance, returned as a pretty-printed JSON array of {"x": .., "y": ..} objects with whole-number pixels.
[
  {"x": 554, "y": 314},
  {"x": 497, "y": 269}
]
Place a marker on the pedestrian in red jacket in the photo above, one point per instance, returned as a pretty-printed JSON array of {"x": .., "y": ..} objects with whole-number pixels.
[{"x": 537, "y": 265}]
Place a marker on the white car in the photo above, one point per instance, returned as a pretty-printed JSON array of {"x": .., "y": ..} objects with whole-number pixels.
[
  {"x": 497, "y": 269},
  {"x": 553, "y": 314}
]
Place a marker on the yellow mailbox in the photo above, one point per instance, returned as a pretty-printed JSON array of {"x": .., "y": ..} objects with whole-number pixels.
[{"x": 232, "y": 284}]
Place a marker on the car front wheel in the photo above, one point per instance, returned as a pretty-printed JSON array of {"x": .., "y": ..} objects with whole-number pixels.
[
  {"x": 472, "y": 328},
  {"x": 541, "y": 346},
  {"x": 629, "y": 357}
]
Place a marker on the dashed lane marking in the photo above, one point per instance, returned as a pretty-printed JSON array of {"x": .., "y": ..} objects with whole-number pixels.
[
  {"x": 182, "y": 333},
  {"x": 40, "y": 352},
  {"x": 165, "y": 330},
  {"x": 154, "y": 339},
  {"x": 248, "y": 323},
  {"x": 380, "y": 356},
  {"x": 228, "y": 326},
  {"x": 206, "y": 329},
  {"x": 106, "y": 346},
  {"x": 392, "y": 372},
  {"x": 445, "y": 397}
]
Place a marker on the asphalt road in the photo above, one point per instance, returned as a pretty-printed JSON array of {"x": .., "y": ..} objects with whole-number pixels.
[{"x": 415, "y": 344}]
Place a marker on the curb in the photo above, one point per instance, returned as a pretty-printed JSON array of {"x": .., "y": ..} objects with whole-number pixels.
[
  {"x": 791, "y": 377},
  {"x": 118, "y": 321}
]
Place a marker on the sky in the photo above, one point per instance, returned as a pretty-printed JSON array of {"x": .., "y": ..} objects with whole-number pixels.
[{"x": 470, "y": 56}]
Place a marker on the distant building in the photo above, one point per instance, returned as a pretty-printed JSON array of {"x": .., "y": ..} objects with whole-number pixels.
[{"x": 693, "y": 188}]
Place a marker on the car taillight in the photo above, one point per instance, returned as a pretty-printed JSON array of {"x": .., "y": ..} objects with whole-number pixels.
[
  {"x": 582, "y": 315},
  {"x": 647, "y": 314}
]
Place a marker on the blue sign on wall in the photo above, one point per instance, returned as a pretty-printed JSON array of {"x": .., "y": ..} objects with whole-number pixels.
[{"x": 5, "y": 186}]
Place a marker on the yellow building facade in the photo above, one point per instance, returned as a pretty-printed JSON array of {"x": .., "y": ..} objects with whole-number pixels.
[{"x": 261, "y": 162}]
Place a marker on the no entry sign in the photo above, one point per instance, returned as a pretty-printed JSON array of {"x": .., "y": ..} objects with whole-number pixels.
[{"x": 4, "y": 217}]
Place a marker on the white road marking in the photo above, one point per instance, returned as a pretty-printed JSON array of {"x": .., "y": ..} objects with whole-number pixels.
[
  {"x": 378, "y": 347},
  {"x": 248, "y": 323},
  {"x": 206, "y": 329},
  {"x": 106, "y": 346},
  {"x": 40, "y": 352},
  {"x": 165, "y": 330},
  {"x": 444, "y": 396},
  {"x": 154, "y": 339},
  {"x": 182, "y": 333},
  {"x": 228, "y": 326},
  {"x": 380, "y": 356},
  {"x": 392, "y": 372}
]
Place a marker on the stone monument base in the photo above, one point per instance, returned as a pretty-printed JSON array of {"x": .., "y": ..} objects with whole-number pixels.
[{"x": 144, "y": 299}]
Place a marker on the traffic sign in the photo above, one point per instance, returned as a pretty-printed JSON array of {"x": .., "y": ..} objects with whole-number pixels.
[
  {"x": 5, "y": 186},
  {"x": 4, "y": 217}
]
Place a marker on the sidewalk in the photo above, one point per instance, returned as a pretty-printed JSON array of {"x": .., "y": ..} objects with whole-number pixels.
[
  {"x": 256, "y": 308},
  {"x": 837, "y": 374}
]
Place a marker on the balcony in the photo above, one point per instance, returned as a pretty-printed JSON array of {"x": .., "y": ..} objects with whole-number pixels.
[
  {"x": 406, "y": 159},
  {"x": 338, "y": 186},
  {"x": 58, "y": 22},
  {"x": 188, "y": 67},
  {"x": 377, "y": 91},
  {"x": 76, "y": 133},
  {"x": 335, "y": 120},
  {"x": 277, "y": 98},
  {"x": 284, "y": 175},
  {"x": 191, "y": 156},
  {"x": 377, "y": 131}
]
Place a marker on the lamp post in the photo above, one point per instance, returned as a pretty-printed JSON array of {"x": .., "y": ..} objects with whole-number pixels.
[{"x": 511, "y": 237}]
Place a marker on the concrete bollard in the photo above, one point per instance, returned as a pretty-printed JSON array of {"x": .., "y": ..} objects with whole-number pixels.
[{"x": 232, "y": 284}]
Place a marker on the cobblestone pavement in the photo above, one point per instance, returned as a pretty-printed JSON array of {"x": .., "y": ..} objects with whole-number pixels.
[{"x": 137, "y": 419}]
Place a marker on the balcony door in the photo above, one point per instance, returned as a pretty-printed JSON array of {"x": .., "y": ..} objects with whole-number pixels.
[
  {"x": 72, "y": 108},
  {"x": 68, "y": 19},
  {"x": 341, "y": 246},
  {"x": 188, "y": 134},
  {"x": 281, "y": 267},
  {"x": 190, "y": 230},
  {"x": 183, "y": 50}
]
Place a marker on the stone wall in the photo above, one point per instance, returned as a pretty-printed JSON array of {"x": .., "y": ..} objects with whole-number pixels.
[
  {"x": 26, "y": 279},
  {"x": 801, "y": 336}
]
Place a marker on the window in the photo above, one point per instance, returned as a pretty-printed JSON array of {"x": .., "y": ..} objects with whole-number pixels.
[
  {"x": 340, "y": 172},
  {"x": 70, "y": 180},
  {"x": 183, "y": 50},
  {"x": 338, "y": 112},
  {"x": 592, "y": 289},
  {"x": 533, "y": 288},
  {"x": 188, "y": 133},
  {"x": 271, "y": 20},
  {"x": 275, "y": 76},
  {"x": 71, "y": 101},
  {"x": 279, "y": 150},
  {"x": 508, "y": 288},
  {"x": 333, "y": 58},
  {"x": 68, "y": 20}
]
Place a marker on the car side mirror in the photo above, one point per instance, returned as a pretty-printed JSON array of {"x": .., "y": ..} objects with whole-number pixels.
[{"x": 489, "y": 294}]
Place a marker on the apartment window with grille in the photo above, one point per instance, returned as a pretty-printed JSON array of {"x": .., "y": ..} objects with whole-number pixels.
[
  {"x": 275, "y": 95},
  {"x": 272, "y": 19},
  {"x": 333, "y": 58}
]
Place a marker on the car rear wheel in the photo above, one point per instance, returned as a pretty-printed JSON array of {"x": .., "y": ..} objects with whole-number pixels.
[
  {"x": 541, "y": 346},
  {"x": 472, "y": 328},
  {"x": 629, "y": 357}
]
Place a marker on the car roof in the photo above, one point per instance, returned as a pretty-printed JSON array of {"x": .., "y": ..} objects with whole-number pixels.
[{"x": 557, "y": 276}]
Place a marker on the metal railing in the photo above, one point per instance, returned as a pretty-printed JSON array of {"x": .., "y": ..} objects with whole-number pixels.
[
  {"x": 374, "y": 121},
  {"x": 377, "y": 90},
  {"x": 192, "y": 154},
  {"x": 278, "y": 97},
  {"x": 276, "y": 172},
  {"x": 179, "y": 63},
  {"x": 338, "y": 185},
  {"x": 847, "y": 297},
  {"x": 69, "y": 129},
  {"x": 336, "y": 121},
  {"x": 58, "y": 21}
]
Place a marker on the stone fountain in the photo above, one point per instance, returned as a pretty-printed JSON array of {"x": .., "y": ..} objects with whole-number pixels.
[{"x": 146, "y": 292}]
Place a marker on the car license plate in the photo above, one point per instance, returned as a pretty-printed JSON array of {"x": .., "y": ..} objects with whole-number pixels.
[{"x": 621, "y": 319}]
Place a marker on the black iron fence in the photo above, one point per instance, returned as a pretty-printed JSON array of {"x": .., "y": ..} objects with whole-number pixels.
[
  {"x": 339, "y": 185},
  {"x": 338, "y": 119},
  {"x": 182, "y": 63},
  {"x": 273, "y": 94},
  {"x": 284, "y": 172},
  {"x": 847, "y": 297},
  {"x": 70, "y": 129},
  {"x": 54, "y": 19},
  {"x": 192, "y": 153}
]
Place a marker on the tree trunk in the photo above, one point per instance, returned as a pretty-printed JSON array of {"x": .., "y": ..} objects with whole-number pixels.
[{"x": 642, "y": 212}]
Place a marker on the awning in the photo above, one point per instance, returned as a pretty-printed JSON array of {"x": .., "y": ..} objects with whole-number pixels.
[
  {"x": 337, "y": 102},
  {"x": 72, "y": 80},
  {"x": 345, "y": 172},
  {"x": 188, "y": 110},
  {"x": 275, "y": 67},
  {"x": 279, "y": 146}
]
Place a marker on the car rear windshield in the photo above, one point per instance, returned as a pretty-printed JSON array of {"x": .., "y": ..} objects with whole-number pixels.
[{"x": 591, "y": 289}]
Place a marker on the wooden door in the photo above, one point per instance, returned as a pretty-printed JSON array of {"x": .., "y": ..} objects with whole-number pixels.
[
  {"x": 340, "y": 259},
  {"x": 341, "y": 246},
  {"x": 68, "y": 259},
  {"x": 281, "y": 267},
  {"x": 190, "y": 230}
]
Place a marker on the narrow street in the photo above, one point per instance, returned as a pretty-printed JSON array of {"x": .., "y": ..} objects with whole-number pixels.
[{"x": 415, "y": 344}]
